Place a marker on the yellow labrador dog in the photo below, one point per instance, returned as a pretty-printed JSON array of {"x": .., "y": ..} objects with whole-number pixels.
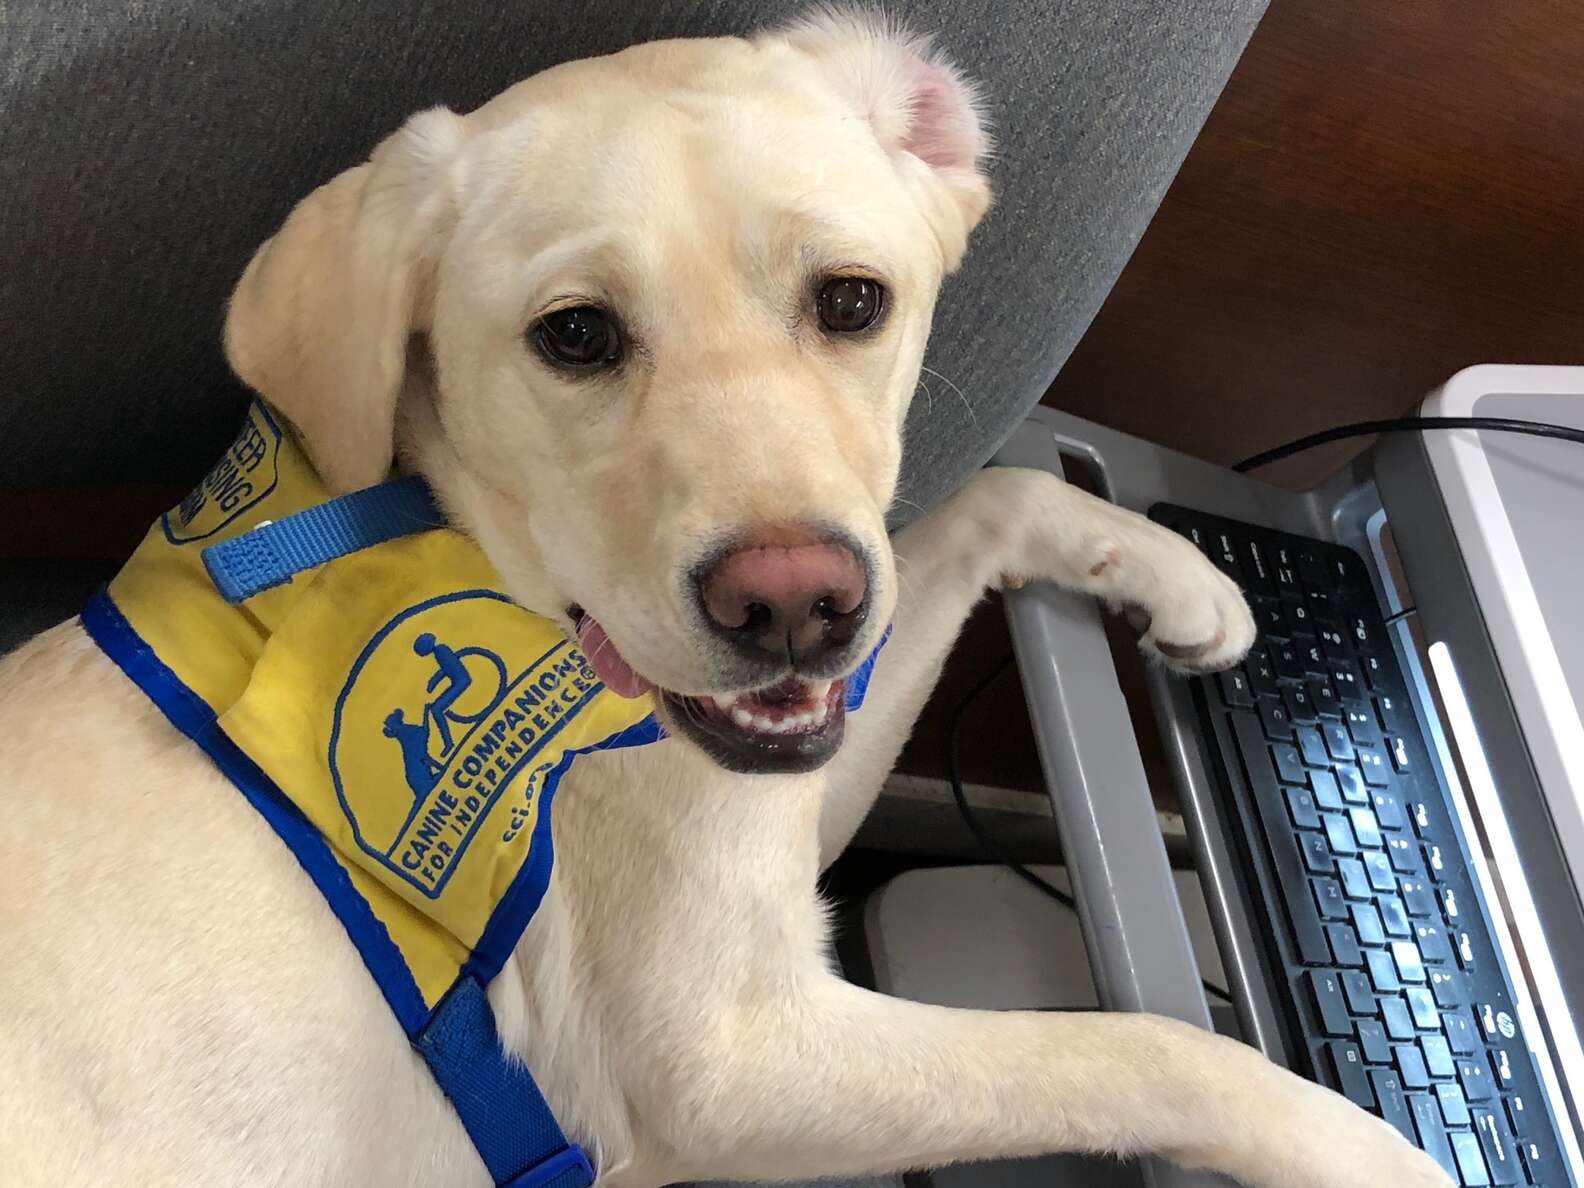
[{"x": 648, "y": 325}]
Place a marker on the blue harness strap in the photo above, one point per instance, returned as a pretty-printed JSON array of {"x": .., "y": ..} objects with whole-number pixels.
[
  {"x": 270, "y": 554},
  {"x": 501, "y": 1108}
]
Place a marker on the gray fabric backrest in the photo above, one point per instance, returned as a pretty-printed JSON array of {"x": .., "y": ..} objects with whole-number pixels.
[{"x": 147, "y": 147}]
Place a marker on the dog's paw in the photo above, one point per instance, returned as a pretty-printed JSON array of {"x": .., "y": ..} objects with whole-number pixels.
[
  {"x": 1333, "y": 1144},
  {"x": 1191, "y": 616}
]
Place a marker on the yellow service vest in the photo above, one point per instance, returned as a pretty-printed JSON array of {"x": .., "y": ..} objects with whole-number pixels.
[{"x": 398, "y": 720}]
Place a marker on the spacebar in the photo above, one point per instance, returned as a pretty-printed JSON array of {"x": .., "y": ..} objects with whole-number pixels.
[{"x": 1290, "y": 874}]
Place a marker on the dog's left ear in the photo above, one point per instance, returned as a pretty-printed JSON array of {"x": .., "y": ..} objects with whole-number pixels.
[
  {"x": 921, "y": 109},
  {"x": 320, "y": 321}
]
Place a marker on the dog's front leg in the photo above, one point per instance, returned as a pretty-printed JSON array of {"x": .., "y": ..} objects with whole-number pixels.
[
  {"x": 1009, "y": 526},
  {"x": 834, "y": 1080}
]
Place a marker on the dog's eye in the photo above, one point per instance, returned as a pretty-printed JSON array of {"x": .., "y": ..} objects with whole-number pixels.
[
  {"x": 848, "y": 304},
  {"x": 583, "y": 336}
]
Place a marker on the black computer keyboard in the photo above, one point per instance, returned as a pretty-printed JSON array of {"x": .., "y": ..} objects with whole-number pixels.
[{"x": 1394, "y": 989}]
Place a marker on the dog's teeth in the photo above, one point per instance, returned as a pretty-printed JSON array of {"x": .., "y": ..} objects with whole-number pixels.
[
  {"x": 818, "y": 689},
  {"x": 763, "y": 723},
  {"x": 821, "y": 714},
  {"x": 724, "y": 702},
  {"x": 742, "y": 717}
]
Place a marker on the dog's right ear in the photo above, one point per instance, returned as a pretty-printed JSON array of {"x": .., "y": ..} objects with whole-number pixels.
[
  {"x": 319, "y": 323},
  {"x": 919, "y": 107}
]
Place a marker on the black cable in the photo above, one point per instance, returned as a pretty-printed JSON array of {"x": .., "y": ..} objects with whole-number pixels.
[
  {"x": 1405, "y": 424},
  {"x": 976, "y": 827}
]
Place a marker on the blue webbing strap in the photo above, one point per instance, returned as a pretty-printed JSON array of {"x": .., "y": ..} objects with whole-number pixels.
[
  {"x": 269, "y": 555},
  {"x": 500, "y": 1106}
]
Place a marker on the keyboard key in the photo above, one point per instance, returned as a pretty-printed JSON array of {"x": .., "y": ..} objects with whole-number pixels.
[
  {"x": 1475, "y": 1079},
  {"x": 1261, "y": 672},
  {"x": 1397, "y": 748},
  {"x": 1328, "y": 894},
  {"x": 1380, "y": 872},
  {"x": 1298, "y": 704},
  {"x": 1316, "y": 853},
  {"x": 1449, "y": 904},
  {"x": 1374, "y": 768},
  {"x": 1347, "y": 1067},
  {"x": 1463, "y": 944},
  {"x": 1355, "y": 883},
  {"x": 1327, "y": 794},
  {"x": 1403, "y": 855},
  {"x": 1360, "y": 724},
  {"x": 1446, "y": 986},
  {"x": 1285, "y": 565},
  {"x": 1362, "y": 634},
  {"x": 1432, "y": 1132},
  {"x": 1289, "y": 663},
  {"x": 1324, "y": 698},
  {"x": 1223, "y": 551},
  {"x": 1517, "y": 1114},
  {"x": 1391, "y": 713},
  {"x": 1417, "y": 898},
  {"x": 1411, "y": 1066},
  {"x": 1453, "y": 1106},
  {"x": 1422, "y": 1003},
  {"x": 1382, "y": 970},
  {"x": 1344, "y": 945},
  {"x": 1235, "y": 690},
  {"x": 1313, "y": 571},
  {"x": 1394, "y": 917},
  {"x": 1367, "y": 923},
  {"x": 1432, "y": 945},
  {"x": 1358, "y": 992},
  {"x": 1352, "y": 784},
  {"x": 1337, "y": 740},
  {"x": 1312, "y": 747},
  {"x": 1255, "y": 568},
  {"x": 1435, "y": 861},
  {"x": 1501, "y": 1152},
  {"x": 1471, "y": 1164},
  {"x": 1399, "y": 1023},
  {"x": 1312, "y": 654},
  {"x": 1288, "y": 768},
  {"x": 1389, "y": 811},
  {"x": 1393, "y": 1104},
  {"x": 1278, "y": 726},
  {"x": 1300, "y": 621},
  {"x": 1501, "y": 1065},
  {"x": 1410, "y": 969},
  {"x": 1300, "y": 803},
  {"x": 1339, "y": 833},
  {"x": 1366, "y": 828},
  {"x": 1345, "y": 680},
  {"x": 1372, "y": 1039},
  {"x": 1374, "y": 671},
  {"x": 1536, "y": 1161},
  {"x": 1268, "y": 617},
  {"x": 1437, "y": 1056},
  {"x": 1459, "y": 1031},
  {"x": 1332, "y": 642},
  {"x": 1326, "y": 994}
]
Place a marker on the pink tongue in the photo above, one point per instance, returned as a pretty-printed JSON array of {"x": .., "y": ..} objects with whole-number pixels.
[{"x": 607, "y": 661}]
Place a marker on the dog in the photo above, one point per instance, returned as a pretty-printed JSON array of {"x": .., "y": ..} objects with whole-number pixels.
[{"x": 648, "y": 325}]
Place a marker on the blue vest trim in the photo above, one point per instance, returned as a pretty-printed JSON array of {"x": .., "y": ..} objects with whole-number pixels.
[
  {"x": 501, "y": 1108},
  {"x": 271, "y": 554},
  {"x": 495, "y": 1096},
  {"x": 188, "y": 712}
]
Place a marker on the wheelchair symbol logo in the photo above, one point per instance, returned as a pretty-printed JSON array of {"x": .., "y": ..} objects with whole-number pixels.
[{"x": 466, "y": 685}]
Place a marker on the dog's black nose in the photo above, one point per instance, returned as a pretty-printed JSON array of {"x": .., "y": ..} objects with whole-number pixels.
[{"x": 787, "y": 593}]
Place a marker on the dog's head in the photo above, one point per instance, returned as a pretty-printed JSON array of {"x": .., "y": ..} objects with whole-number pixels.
[{"x": 649, "y": 324}]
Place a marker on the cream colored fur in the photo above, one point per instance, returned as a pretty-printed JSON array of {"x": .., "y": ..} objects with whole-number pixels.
[{"x": 179, "y": 1005}]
